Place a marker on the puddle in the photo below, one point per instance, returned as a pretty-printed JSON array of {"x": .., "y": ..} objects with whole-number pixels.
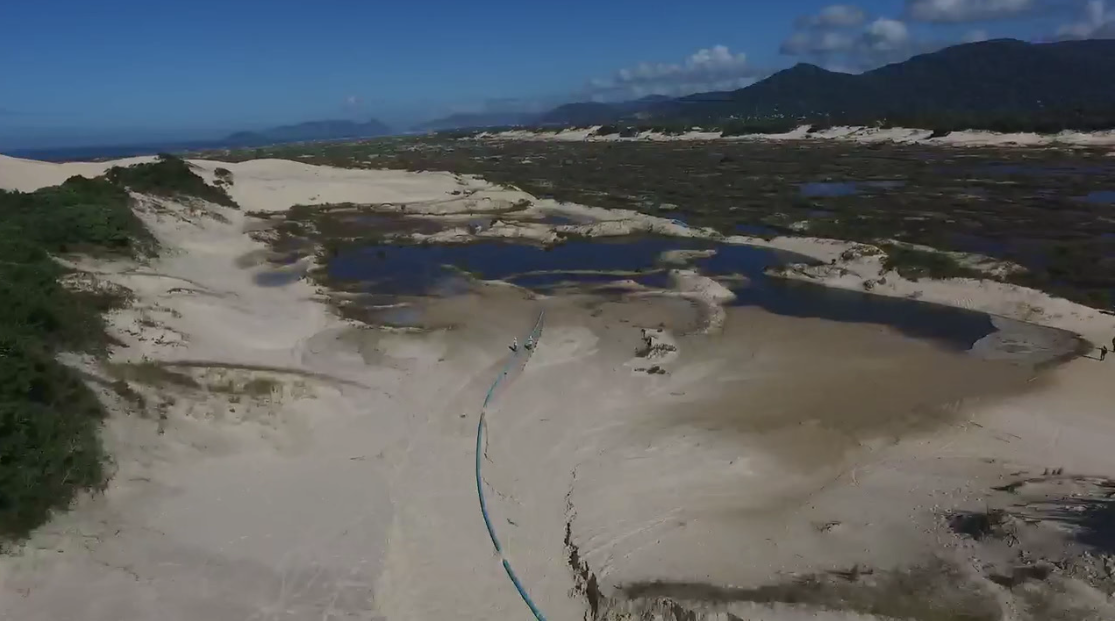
[
  {"x": 817, "y": 189},
  {"x": 1101, "y": 196},
  {"x": 477, "y": 225},
  {"x": 562, "y": 220},
  {"x": 399, "y": 316},
  {"x": 436, "y": 270},
  {"x": 289, "y": 258},
  {"x": 384, "y": 223},
  {"x": 656, "y": 278},
  {"x": 828, "y": 188},
  {"x": 276, "y": 278}
]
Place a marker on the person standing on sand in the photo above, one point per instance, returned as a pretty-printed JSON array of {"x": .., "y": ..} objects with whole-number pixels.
[
  {"x": 1103, "y": 353},
  {"x": 514, "y": 346}
]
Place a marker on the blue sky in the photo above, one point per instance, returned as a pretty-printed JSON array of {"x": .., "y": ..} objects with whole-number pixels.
[{"x": 75, "y": 71}]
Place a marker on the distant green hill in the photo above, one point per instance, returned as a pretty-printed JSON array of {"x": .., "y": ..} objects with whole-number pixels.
[{"x": 311, "y": 130}]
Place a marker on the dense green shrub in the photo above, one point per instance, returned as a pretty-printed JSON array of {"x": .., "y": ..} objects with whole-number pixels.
[
  {"x": 222, "y": 177},
  {"x": 79, "y": 215},
  {"x": 49, "y": 419},
  {"x": 49, "y": 449},
  {"x": 168, "y": 176}
]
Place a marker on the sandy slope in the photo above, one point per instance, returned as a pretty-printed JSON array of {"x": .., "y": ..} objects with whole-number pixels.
[{"x": 345, "y": 490}]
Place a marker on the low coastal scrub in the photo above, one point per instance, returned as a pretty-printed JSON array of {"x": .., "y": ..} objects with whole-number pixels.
[
  {"x": 49, "y": 417},
  {"x": 915, "y": 264}
]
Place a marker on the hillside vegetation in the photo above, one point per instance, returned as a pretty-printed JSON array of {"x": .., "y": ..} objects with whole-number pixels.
[
  {"x": 49, "y": 417},
  {"x": 169, "y": 177}
]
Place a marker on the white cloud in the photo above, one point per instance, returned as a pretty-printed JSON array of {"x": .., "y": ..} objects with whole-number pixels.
[
  {"x": 1097, "y": 23},
  {"x": 882, "y": 35},
  {"x": 886, "y": 34},
  {"x": 955, "y": 11},
  {"x": 882, "y": 41},
  {"x": 834, "y": 16},
  {"x": 714, "y": 68},
  {"x": 803, "y": 42},
  {"x": 840, "y": 68},
  {"x": 975, "y": 36},
  {"x": 353, "y": 101}
]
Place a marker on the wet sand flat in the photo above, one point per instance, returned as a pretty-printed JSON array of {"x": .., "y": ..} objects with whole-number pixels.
[{"x": 710, "y": 469}]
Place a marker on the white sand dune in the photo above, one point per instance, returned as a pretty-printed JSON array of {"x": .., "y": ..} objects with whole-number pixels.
[
  {"x": 291, "y": 505},
  {"x": 30, "y": 175},
  {"x": 858, "y": 134},
  {"x": 346, "y": 490}
]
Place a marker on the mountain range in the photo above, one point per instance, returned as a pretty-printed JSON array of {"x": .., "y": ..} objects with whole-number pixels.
[
  {"x": 1002, "y": 76},
  {"x": 476, "y": 120},
  {"x": 1049, "y": 85},
  {"x": 311, "y": 130}
]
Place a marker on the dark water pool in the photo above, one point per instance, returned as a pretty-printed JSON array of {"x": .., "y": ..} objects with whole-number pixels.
[
  {"x": 956, "y": 327},
  {"x": 424, "y": 270},
  {"x": 413, "y": 269}
]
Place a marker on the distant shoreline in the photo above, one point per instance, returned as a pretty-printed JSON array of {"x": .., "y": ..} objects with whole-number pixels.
[{"x": 105, "y": 153}]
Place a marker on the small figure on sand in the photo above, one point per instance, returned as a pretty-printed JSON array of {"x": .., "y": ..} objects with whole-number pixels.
[
  {"x": 514, "y": 346},
  {"x": 1103, "y": 353},
  {"x": 530, "y": 342}
]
